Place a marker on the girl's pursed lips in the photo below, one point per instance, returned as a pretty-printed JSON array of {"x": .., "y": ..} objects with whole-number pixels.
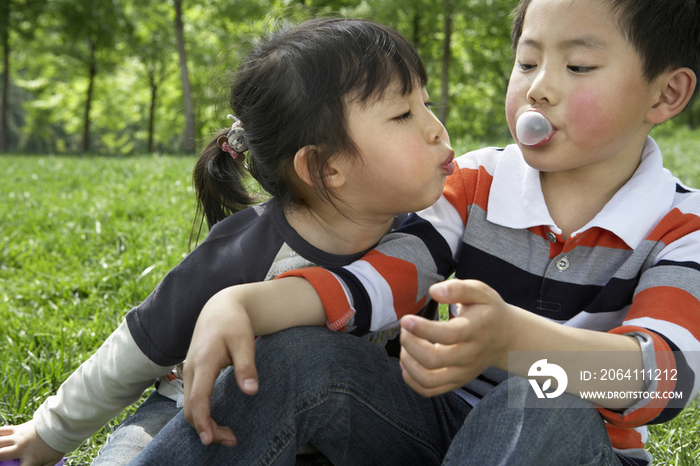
[{"x": 449, "y": 164}]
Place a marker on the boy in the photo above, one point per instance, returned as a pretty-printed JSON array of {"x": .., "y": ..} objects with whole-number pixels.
[{"x": 582, "y": 242}]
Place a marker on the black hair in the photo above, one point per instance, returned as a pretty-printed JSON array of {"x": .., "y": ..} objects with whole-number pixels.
[
  {"x": 665, "y": 33},
  {"x": 291, "y": 91}
]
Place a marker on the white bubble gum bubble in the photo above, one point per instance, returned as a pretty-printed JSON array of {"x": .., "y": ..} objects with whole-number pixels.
[{"x": 532, "y": 128}]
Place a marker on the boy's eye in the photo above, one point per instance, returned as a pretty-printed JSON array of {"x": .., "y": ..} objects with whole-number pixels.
[
  {"x": 525, "y": 66},
  {"x": 580, "y": 69}
]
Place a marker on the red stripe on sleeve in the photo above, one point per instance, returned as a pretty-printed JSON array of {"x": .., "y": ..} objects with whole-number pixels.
[
  {"x": 623, "y": 438},
  {"x": 665, "y": 361},
  {"x": 335, "y": 302},
  {"x": 402, "y": 278},
  {"x": 669, "y": 304},
  {"x": 468, "y": 186}
]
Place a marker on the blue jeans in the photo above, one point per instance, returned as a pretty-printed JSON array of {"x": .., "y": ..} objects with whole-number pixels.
[
  {"x": 136, "y": 431},
  {"x": 348, "y": 398}
]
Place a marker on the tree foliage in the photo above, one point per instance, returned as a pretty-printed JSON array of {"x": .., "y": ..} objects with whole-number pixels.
[{"x": 103, "y": 76}]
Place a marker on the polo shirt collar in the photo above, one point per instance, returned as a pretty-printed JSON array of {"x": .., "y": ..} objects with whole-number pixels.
[{"x": 516, "y": 199}]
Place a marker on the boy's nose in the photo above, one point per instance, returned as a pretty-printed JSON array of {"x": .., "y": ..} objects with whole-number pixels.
[{"x": 543, "y": 89}]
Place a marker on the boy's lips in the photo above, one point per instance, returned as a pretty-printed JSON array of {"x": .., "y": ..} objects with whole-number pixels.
[
  {"x": 542, "y": 142},
  {"x": 449, "y": 164}
]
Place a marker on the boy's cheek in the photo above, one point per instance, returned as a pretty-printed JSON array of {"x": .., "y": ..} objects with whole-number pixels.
[
  {"x": 512, "y": 106},
  {"x": 585, "y": 115}
]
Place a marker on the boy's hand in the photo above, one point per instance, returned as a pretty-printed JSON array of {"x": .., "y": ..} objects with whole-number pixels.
[
  {"x": 438, "y": 357},
  {"x": 225, "y": 335},
  {"x": 24, "y": 443},
  {"x": 222, "y": 337}
]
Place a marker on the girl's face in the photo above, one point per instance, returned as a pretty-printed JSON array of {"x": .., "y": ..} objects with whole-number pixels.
[
  {"x": 575, "y": 67},
  {"x": 404, "y": 154}
]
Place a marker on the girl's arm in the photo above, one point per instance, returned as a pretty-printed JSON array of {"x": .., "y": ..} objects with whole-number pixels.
[
  {"x": 112, "y": 379},
  {"x": 225, "y": 335}
]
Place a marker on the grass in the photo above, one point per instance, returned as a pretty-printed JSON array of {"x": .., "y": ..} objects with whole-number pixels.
[{"x": 84, "y": 239}]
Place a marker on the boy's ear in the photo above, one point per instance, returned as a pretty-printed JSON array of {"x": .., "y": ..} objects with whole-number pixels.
[
  {"x": 677, "y": 88},
  {"x": 306, "y": 158}
]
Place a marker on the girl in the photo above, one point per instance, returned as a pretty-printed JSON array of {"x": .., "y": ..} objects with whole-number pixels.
[{"x": 331, "y": 116}]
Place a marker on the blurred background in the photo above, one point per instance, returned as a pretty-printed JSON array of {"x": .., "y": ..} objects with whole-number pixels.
[{"x": 124, "y": 77}]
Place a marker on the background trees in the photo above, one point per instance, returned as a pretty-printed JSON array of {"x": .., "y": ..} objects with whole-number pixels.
[{"x": 112, "y": 76}]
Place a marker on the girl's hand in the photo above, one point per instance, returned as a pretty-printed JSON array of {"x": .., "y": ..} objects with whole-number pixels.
[
  {"x": 438, "y": 357},
  {"x": 222, "y": 337},
  {"x": 24, "y": 443}
]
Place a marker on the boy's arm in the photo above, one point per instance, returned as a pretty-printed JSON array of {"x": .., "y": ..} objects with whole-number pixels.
[
  {"x": 225, "y": 335},
  {"x": 393, "y": 279},
  {"x": 438, "y": 357}
]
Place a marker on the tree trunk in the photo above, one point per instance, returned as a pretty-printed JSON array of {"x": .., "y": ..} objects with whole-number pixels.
[
  {"x": 151, "y": 114},
  {"x": 189, "y": 139},
  {"x": 5, "y": 106},
  {"x": 445, "y": 74},
  {"x": 92, "y": 71},
  {"x": 416, "y": 28}
]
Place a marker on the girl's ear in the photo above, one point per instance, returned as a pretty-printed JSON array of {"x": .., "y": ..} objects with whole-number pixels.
[
  {"x": 677, "y": 88},
  {"x": 306, "y": 158}
]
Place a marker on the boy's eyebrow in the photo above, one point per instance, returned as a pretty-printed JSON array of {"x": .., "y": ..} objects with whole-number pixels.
[{"x": 584, "y": 41}]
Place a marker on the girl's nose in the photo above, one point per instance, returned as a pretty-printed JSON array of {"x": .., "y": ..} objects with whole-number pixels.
[{"x": 435, "y": 131}]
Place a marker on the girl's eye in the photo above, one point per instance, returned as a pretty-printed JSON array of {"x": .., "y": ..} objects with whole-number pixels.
[
  {"x": 409, "y": 115},
  {"x": 525, "y": 66},
  {"x": 404, "y": 117}
]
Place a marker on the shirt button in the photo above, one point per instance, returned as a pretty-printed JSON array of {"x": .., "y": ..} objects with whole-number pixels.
[
  {"x": 551, "y": 237},
  {"x": 563, "y": 264}
]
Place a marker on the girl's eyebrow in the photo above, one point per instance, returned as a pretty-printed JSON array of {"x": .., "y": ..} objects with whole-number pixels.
[{"x": 393, "y": 96}]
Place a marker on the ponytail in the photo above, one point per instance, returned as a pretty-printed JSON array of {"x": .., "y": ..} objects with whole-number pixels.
[{"x": 218, "y": 184}]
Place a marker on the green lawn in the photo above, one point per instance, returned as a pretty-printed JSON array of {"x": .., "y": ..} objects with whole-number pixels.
[{"x": 84, "y": 239}]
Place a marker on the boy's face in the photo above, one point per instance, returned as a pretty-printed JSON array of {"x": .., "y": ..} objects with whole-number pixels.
[{"x": 575, "y": 67}]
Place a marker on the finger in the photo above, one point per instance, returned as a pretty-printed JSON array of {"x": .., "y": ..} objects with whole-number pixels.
[
  {"x": 425, "y": 377},
  {"x": 447, "y": 333},
  {"x": 429, "y": 355},
  {"x": 198, "y": 401},
  {"x": 461, "y": 292},
  {"x": 8, "y": 453},
  {"x": 243, "y": 356},
  {"x": 433, "y": 365},
  {"x": 6, "y": 442},
  {"x": 223, "y": 435},
  {"x": 414, "y": 380}
]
